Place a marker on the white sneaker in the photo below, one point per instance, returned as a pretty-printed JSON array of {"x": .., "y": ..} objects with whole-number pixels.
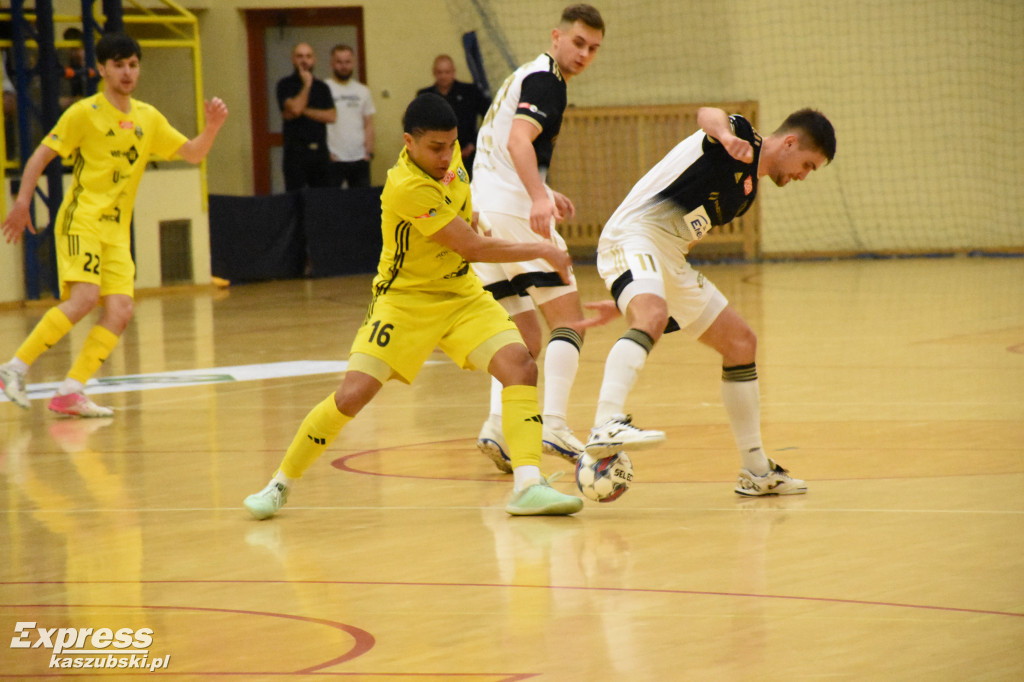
[
  {"x": 618, "y": 433},
  {"x": 13, "y": 384},
  {"x": 776, "y": 482},
  {"x": 563, "y": 443},
  {"x": 265, "y": 503},
  {"x": 491, "y": 442},
  {"x": 77, "y": 405}
]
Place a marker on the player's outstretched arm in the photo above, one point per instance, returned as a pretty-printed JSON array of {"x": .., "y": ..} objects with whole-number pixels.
[
  {"x": 196, "y": 149},
  {"x": 474, "y": 247},
  {"x": 19, "y": 217}
]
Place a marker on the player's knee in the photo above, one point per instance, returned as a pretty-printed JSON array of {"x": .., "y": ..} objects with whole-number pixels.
[
  {"x": 513, "y": 365},
  {"x": 118, "y": 313},
  {"x": 743, "y": 346},
  {"x": 648, "y": 313}
]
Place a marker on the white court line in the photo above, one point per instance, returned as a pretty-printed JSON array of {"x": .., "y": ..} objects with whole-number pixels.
[{"x": 200, "y": 377}]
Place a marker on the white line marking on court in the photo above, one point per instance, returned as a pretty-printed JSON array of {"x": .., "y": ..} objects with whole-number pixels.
[{"x": 200, "y": 377}]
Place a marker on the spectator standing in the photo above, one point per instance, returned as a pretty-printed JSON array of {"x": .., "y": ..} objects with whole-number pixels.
[
  {"x": 350, "y": 135},
  {"x": 465, "y": 98},
  {"x": 306, "y": 109}
]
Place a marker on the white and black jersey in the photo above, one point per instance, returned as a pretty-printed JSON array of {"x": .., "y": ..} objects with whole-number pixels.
[
  {"x": 697, "y": 186},
  {"x": 535, "y": 92}
]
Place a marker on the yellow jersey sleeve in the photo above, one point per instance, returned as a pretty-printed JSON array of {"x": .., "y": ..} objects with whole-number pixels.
[
  {"x": 167, "y": 140},
  {"x": 67, "y": 134}
]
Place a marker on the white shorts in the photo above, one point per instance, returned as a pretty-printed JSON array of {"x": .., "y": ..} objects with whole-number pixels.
[
  {"x": 645, "y": 259},
  {"x": 517, "y": 286}
]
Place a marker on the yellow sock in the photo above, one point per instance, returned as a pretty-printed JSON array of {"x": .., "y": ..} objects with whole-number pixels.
[
  {"x": 97, "y": 347},
  {"x": 521, "y": 424},
  {"x": 51, "y": 329},
  {"x": 317, "y": 431}
]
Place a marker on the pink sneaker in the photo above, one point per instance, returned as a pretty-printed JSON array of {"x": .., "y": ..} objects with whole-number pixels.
[{"x": 77, "y": 405}]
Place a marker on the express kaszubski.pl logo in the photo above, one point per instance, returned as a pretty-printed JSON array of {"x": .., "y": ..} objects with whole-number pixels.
[{"x": 90, "y": 648}]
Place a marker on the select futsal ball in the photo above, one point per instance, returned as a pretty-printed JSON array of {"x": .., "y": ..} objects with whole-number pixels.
[{"x": 606, "y": 479}]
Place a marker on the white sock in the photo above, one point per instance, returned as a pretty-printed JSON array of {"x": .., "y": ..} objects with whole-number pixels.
[
  {"x": 69, "y": 386},
  {"x": 742, "y": 400},
  {"x": 279, "y": 477},
  {"x": 621, "y": 370},
  {"x": 525, "y": 475},
  {"x": 18, "y": 365},
  {"x": 495, "y": 414},
  {"x": 561, "y": 362}
]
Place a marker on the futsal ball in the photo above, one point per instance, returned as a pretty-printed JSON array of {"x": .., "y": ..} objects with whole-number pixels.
[{"x": 604, "y": 480}]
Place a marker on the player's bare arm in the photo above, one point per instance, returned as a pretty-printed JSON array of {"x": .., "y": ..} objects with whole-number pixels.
[
  {"x": 19, "y": 216},
  {"x": 475, "y": 248},
  {"x": 196, "y": 149},
  {"x": 524, "y": 157},
  {"x": 715, "y": 123}
]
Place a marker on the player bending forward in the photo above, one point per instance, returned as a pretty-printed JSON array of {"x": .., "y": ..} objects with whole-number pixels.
[
  {"x": 706, "y": 180},
  {"x": 425, "y": 295}
]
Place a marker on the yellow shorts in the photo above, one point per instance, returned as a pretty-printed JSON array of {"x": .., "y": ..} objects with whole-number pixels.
[
  {"x": 402, "y": 330},
  {"x": 83, "y": 257}
]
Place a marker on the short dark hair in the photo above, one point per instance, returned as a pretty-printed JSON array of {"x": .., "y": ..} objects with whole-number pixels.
[
  {"x": 342, "y": 47},
  {"x": 117, "y": 46},
  {"x": 814, "y": 130},
  {"x": 427, "y": 112},
  {"x": 588, "y": 14}
]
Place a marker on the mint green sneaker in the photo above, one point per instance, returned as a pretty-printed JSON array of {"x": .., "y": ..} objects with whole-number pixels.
[
  {"x": 265, "y": 503},
  {"x": 540, "y": 499}
]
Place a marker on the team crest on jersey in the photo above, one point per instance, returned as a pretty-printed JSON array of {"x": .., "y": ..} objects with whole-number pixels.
[
  {"x": 748, "y": 185},
  {"x": 462, "y": 174},
  {"x": 138, "y": 131}
]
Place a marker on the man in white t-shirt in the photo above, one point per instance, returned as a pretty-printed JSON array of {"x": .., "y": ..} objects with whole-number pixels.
[{"x": 350, "y": 137}]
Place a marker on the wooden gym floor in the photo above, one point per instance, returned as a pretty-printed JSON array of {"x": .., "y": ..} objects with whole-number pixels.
[{"x": 895, "y": 387}]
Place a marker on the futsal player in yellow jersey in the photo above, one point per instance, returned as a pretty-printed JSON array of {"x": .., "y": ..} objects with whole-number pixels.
[
  {"x": 426, "y": 296},
  {"x": 110, "y": 137}
]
